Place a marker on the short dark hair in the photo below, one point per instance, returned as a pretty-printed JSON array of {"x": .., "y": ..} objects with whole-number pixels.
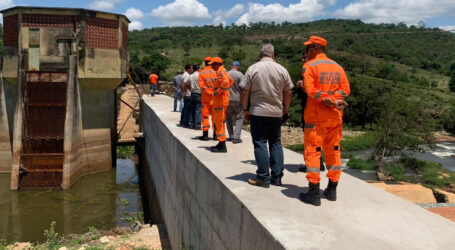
[
  {"x": 188, "y": 66},
  {"x": 196, "y": 67}
]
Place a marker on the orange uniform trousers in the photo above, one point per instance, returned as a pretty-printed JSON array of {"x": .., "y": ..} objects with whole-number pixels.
[
  {"x": 219, "y": 122},
  {"x": 318, "y": 137},
  {"x": 206, "y": 111}
]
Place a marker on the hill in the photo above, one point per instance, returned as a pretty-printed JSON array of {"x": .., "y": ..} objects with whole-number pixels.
[{"x": 412, "y": 63}]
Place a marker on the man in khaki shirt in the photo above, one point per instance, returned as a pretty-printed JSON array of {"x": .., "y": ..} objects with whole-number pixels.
[{"x": 266, "y": 97}]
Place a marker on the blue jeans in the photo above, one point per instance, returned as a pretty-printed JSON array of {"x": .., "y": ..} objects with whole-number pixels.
[
  {"x": 195, "y": 110},
  {"x": 176, "y": 100},
  {"x": 153, "y": 89},
  {"x": 185, "y": 118},
  {"x": 263, "y": 130}
]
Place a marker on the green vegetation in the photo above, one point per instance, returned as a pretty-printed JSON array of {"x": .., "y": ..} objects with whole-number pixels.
[
  {"x": 125, "y": 151},
  {"x": 452, "y": 78},
  {"x": 53, "y": 239},
  {"x": 355, "y": 163},
  {"x": 3, "y": 244}
]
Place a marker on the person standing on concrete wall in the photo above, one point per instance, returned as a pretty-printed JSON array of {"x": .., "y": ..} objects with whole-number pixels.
[
  {"x": 220, "y": 101},
  {"x": 153, "y": 78},
  {"x": 186, "y": 94},
  {"x": 266, "y": 97},
  {"x": 206, "y": 81},
  {"x": 195, "y": 100},
  {"x": 234, "y": 113},
  {"x": 302, "y": 96},
  {"x": 178, "y": 83},
  {"x": 326, "y": 84}
]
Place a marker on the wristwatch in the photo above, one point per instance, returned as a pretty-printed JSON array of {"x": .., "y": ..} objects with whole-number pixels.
[{"x": 245, "y": 110}]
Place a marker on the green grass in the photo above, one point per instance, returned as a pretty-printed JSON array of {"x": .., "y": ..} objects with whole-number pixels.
[
  {"x": 361, "y": 164},
  {"x": 396, "y": 170},
  {"x": 125, "y": 151}
]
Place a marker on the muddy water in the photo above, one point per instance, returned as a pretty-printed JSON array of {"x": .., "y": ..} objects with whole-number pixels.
[{"x": 103, "y": 201}]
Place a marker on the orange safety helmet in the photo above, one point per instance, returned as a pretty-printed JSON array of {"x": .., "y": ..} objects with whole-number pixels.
[
  {"x": 216, "y": 60},
  {"x": 316, "y": 40},
  {"x": 208, "y": 59}
]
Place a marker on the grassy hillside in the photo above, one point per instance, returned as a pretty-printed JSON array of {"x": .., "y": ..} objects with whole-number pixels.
[{"x": 412, "y": 63}]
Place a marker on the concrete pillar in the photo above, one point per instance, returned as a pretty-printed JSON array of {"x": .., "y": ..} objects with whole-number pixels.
[{"x": 5, "y": 142}]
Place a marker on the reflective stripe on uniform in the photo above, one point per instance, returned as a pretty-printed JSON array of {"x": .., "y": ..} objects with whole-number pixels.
[
  {"x": 318, "y": 95},
  {"x": 309, "y": 126},
  {"x": 313, "y": 170},
  {"x": 225, "y": 88},
  {"x": 322, "y": 62},
  {"x": 330, "y": 92},
  {"x": 221, "y": 135},
  {"x": 218, "y": 109},
  {"x": 341, "y": 92},
  {"x": 206, "y": 72},
  {"x": 334, "y": 168}
]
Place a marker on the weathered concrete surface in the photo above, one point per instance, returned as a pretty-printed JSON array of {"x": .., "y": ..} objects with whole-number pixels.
[
  {"x": 207, "y": 203},
  {"x": 5, "y": 142}
]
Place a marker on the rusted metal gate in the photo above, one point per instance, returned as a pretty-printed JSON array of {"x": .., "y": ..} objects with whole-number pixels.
[{"x": 43, "y": 129}]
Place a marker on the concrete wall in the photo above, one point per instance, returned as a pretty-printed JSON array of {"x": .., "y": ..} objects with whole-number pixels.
[
  {"x": 5, "y": 142},
  {"x": 206, "y": 202},
  {"x": 199, "y": 211}
]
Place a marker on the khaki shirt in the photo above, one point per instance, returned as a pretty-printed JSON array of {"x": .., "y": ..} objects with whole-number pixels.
[
  {"x": 186, "y": 80},
  {"x": 266, "y": 80}
]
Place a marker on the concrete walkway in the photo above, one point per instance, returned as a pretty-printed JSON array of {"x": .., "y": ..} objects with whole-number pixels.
[{"x": 364, "y": 217}]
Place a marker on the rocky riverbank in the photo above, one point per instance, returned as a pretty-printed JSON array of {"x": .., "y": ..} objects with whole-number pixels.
[{"x": 135, "y": 238}]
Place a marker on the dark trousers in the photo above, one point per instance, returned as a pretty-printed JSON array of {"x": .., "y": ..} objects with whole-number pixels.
[
  {"x": 195, "y": 110},
  {"x": 267, "y": 130},
  {"x": 185, "y": 115},
  {"x": 153, "y": 88}
]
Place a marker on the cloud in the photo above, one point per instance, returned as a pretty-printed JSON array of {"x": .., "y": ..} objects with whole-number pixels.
[
  {"x": 135, "y": 25},
  {"x": 134, "y": 14},
  {"x": 450, "y": 28},
  {"x": 6, "y": 4},
  {"x": 104, "y": 4},
  {"x": 305, "y": 10},
  {"x": 395, "y": 11},
  {"x": 181, "y": 12},
  {"x": 222, "y": 15}
]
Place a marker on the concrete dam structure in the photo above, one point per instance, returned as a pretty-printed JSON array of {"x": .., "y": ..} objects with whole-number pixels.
[
  {"x": 60, "y": 70},
  {"x": 206, "y": 202}
]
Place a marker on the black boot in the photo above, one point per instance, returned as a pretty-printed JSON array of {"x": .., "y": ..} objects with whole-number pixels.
[
  {"x": 331, "y": 191},
  {"x": 214, "y": 135},
  {"x": 312, "y": 197},
  {"x": 220, "y": 147},
  {"x": 205, "y": 136}
]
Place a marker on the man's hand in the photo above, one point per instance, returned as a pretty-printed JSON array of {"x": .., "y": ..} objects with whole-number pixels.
[
  {"x": 299, "y": 84},
  {"x": 246, "y": 115},
  {"x": 215, "y": 93},
  {"x": 327, "y": 102},
  {"x": 340, "y": 104}
]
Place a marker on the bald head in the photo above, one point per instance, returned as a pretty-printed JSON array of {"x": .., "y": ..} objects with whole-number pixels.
[{"x": 268, "y": 50}]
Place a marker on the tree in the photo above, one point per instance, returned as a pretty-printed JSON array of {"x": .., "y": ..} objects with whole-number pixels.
[
  {"x": 146, "y": 63},
  {"x": 452, "y": 78},
  {"x": 403, "y": 124}
]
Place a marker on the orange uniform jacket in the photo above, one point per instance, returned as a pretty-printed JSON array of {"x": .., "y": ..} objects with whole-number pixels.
[
  {"x": 153, "y": 79},
  {"x": 221, "y": 87},
  {"x": 324, "y": 78},
  {"x": 207, "y": 77}
]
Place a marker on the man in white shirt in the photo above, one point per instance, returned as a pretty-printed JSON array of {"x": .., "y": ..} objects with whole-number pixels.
[
  {"x": 266, "y": 97},
  {"x": 195, "y": 99}
]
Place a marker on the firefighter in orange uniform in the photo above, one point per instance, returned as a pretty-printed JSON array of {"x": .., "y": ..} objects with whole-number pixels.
[
  {"x": 206, "y": 79},
  {"x": 220, "y": 101},
  {"x": 326, "y": 84}
]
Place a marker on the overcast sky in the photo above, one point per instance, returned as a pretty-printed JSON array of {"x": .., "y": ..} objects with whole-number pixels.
[{"x": 157, "y": 13}]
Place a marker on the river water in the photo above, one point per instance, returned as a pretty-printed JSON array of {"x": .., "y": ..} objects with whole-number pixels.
[
  {"x": 103, "y": 201},
  {"x": 443, "y": 153}
]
